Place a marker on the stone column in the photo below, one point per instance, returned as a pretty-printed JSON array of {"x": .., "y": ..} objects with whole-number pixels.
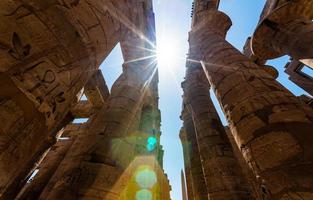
[
  {"x": 183, "y": 185},
  {"x": 48, "y": 50},
  {"x": 271, "y": 126},
  {"x": 285, "y": 29},
  {"x": 223, "y": 175},
  {"x": 97, "y": 93},
  {"x": 197, "y": 176},
  {"x": 252, "y": 179},
  {"x": 87, "y": 159},
  {"x": 106, "y": 150},
  {"x": 33, "y": 189},
  {"x": 187, "y": 165},
  {"x": 96, "y": 166}
]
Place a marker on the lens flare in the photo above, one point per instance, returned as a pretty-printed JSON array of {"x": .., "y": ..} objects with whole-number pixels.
[
  {"x": 144, "y": 195},
  {"x": 151, "y": 143},
  {"x": 146, "y": 178}
]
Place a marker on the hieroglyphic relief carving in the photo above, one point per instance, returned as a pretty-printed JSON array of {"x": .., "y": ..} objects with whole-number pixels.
[
  {"x": 17, "y": 49},
  {"x": 56, "y": 46},
  {"x": 40, "y": 82}
]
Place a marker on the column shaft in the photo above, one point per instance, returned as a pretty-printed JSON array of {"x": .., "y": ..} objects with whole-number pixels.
[
  {"x": 270, "y": 125},
  {"x": 223, "y": 175},
  {"x": 48, "y": 50},
  {"x": 198, "y": 180},
  {"x": 97, "y": 164},
  {"x": 187, "y": 163},
  {"x": 46, "y": 169}
]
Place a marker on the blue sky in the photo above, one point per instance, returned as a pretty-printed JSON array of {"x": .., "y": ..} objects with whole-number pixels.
[{"x": 172, "y": 25}]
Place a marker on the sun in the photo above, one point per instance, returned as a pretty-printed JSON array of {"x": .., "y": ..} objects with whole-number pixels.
[{"x": 167, "y": 53}]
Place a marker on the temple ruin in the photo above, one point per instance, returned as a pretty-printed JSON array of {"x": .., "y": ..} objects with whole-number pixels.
[
  {"x": 266, "y": 152},
  {"x": 50, "y": 53}
]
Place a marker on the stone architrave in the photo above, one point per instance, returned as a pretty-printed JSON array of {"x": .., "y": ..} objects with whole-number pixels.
[{"x": 294, "y": 71}]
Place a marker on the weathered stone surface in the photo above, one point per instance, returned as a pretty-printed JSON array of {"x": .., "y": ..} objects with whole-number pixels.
[
  {"x": 83, "y": 109},
  {"x": 193, "y": 159},
  {"x": 33, "y": 189},
  {"x": 223, "y": 176},
  {"x": 183, "y": 185},
  {"x": 96, "y": 90},
  {"x": 187, "y": 165},
  {"x": 255, "y": 184},
  {"x": 285, "y": 29},
  {"x": 278, "y": 145},
  {"x": 307, "y": 100},
  {"x": 293, "y": 69},
  {"x": 48, "y": 50},
  {"x": 97, "y": 165}
]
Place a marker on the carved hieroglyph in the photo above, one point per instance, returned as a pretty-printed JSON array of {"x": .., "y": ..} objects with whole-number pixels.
[{"x": 48, "y": 50}]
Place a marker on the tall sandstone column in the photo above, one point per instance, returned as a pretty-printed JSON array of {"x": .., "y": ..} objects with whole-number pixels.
[
  {"x": 187, "y": 165},
  {"x": 271, "y": 126},
  {"x": 96, "y": 165},
  {"x": 197, "y": 176},
  {"x": 97, "y": 94},
  {"x": 183, "y": 185},
  {"x": 46, "y": 169},
  {"x": 48, "y": 50},
  {"x": 223, "y": 175}
]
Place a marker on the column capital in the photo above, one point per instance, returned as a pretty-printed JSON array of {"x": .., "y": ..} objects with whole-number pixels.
[{"x": 215, "y": 21}]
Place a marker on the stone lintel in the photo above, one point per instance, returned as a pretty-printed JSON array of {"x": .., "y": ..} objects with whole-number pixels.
[
  {"x": 96, "y": 90},
  {"x": 293, "y": 69},
  {"x": 83, "y": 109}
]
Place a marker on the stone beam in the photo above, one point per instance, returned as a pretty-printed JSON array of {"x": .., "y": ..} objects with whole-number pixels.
[
  {"x": 73, "y": 129},
  {"x": 96, "y": 90},
  {"x": 307, "y": 100},
  {"x": 83, "y": 109},
  {"x": 293, "y": 69}
]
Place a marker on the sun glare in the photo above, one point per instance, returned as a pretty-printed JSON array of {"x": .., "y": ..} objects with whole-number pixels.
[{"x": 167, "y": 53}]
